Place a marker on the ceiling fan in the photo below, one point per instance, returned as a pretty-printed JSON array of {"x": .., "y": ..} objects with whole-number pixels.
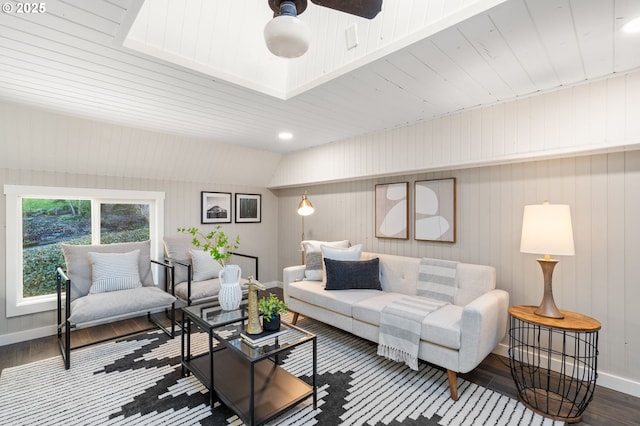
[{"x": 288, "y": 37}]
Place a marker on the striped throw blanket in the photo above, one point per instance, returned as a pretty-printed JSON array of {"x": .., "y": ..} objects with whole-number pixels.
[
  {"x": 400, "y": 326},
  {"x": 437, "y": 279}
]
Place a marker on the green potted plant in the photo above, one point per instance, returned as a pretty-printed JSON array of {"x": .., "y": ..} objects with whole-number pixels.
[
  {"x": 271, "y": 308},
  {"x": 216, "y": 243}
]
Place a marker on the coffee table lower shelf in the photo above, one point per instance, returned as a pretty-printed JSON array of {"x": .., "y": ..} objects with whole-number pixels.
[{"x": 275, "y": 389}]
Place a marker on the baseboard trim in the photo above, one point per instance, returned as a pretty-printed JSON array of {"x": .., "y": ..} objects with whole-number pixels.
[
  {"x": 607, "y": 380},
  {"x": 23, "y": 336}
]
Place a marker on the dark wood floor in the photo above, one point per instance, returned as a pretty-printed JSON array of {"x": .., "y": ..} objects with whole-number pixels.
[{"x": 608, "y": 407}]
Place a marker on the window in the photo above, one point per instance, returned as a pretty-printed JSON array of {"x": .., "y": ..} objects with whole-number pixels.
[{"x": 39, "y": 218}]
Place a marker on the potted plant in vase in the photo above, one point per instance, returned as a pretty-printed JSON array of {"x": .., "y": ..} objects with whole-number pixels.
[
  {"x": 271, "y": 309},
  {"x": 218, "y": 245}
]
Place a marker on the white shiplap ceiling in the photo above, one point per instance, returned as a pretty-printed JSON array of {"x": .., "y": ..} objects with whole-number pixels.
[{"x": 71, "y": 59}]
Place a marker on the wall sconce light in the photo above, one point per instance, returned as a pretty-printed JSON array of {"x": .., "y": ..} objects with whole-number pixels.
[
  {"x": 305, "y": 208},
  {"x": 546, "y": 229}
]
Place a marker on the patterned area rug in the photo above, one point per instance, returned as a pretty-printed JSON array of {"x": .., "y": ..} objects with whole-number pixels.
[{"x": 137, "y": 381}]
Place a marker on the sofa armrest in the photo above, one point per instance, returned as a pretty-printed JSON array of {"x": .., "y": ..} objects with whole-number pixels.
[
  {"x": 291, "y": 274},
  {"x": 484, "y": 325}
]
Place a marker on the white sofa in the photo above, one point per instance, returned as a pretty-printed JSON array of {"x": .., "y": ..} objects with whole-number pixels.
[{"x": 457, "y": 336}]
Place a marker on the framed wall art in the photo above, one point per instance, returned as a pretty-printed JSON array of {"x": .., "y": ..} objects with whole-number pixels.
[
  {"x": 435, "y": 210},
  {"x": 215, "y": 207},
  {"x": 392, "y": 210},
  {"x": 248, "y": 208}
]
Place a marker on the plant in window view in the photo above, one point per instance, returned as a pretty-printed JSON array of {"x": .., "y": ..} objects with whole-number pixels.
[
  {"x": 45, "y": 222},
  {"x": 48, "y": 222},
  {"x": 216, "y": 243}
]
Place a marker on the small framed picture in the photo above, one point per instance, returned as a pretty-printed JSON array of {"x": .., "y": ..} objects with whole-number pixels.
[
  {"x": 216, "y": 207},
  {"x": 248, "y": 208},
  {"x": 392, "y": 210},
  {"x": 435, "y": 210}
]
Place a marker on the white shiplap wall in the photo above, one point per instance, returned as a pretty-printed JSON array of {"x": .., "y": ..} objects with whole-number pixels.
[
  {"x": 36, "y": 139},
  {"x": 601, "y": 280},
  {"x": 38, "y": 147},
  {"x": 597, "y": 116}
]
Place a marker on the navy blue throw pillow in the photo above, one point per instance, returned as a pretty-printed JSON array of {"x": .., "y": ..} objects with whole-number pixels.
[{"x": 349, "y": 274}]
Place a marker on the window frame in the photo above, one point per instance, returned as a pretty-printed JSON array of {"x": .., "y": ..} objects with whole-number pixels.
[{"x": 16, "y": 304}]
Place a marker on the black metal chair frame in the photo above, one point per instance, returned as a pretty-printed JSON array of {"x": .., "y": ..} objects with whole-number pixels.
[
  {"x": 172, "y": 263},
  {"x": 63, "y": 323}
]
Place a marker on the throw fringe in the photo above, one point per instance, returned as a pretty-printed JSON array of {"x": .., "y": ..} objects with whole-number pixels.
[{"x": 398, "y": 355}]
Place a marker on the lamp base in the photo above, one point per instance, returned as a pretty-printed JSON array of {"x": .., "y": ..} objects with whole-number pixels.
[{"x": 548, "y": 306}]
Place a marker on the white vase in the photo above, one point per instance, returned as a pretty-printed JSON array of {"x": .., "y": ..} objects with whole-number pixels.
[{"x": 230, "y": 294}]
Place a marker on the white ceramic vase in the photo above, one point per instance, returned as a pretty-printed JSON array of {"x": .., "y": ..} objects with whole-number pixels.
[{"x": 230, "y": 294}]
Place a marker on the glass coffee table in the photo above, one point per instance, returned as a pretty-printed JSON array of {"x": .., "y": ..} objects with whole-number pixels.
[{"x": 244, "y": 376}]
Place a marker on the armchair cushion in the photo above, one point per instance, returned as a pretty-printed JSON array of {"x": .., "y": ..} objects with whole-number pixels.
[
  {"x": 114, "y": 271},
  {"x": 205, "y": 267},
  {"x": 79, "y": 268},
  {"x": 177, "y": 248},
  {"x": 97, "y": 307}
]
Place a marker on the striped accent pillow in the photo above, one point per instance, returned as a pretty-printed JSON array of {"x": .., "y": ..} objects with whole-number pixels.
[
  {"x": 114, "y": 271},
  {"x": 437, "y": 279}
]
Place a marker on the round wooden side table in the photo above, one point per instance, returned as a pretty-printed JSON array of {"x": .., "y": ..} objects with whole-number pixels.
[{"x": 553, "y": 361}]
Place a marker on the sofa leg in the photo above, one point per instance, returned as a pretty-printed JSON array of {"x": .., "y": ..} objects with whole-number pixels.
[
  {"x": 295, "y": 318},
  {"x": 453, "y": 384}
]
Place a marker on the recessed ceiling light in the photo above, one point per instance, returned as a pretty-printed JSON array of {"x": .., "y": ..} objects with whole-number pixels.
[
  {"x": 633, "y": 26},
  {"x": 285, "y": 136}
]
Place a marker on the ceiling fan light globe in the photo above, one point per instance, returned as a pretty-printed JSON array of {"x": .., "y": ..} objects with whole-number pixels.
[{"x": 287, "y": 36}]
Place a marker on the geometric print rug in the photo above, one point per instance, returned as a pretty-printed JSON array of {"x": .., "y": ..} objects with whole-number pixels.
[{"x": 137, "y": 381}]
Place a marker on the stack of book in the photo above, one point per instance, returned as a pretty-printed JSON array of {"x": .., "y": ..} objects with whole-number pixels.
[{"x": 257, "y": 339}]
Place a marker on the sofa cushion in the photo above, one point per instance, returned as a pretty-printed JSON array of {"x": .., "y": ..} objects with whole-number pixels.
[
  {"x": 96, "y": 307},
  {"x": 313, "y": 256},
  {"x": 313, "y": 292},
  {"x": 398, "y": 274},
  {"x": 114, "y": 271},
  {"x": 79, "y": 266},
  {"x": 437, "y": 279},
  {"x": 205, "y": 267},
  {"x": 473, "y": 281},
  {"x": 442, "y": 326},
  {"x": 368, "y": 310},
  {"x": 344, "y": 275},
  {"x": 177, "y": 248}
]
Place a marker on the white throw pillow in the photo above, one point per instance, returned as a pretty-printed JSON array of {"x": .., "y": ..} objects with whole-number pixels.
[
  {"x": 114, "y": 271},
  {"x": 339, "y": 253},
  {"x": 313, "y": 257},
  {"x": 205, "y": 267}
]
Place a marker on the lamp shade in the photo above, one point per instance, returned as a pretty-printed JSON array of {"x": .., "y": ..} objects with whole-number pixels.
[
  {"x": 287, "y": 36},
  {"x": 305, "y": 208},
  {"x": 546, "y": 229}
]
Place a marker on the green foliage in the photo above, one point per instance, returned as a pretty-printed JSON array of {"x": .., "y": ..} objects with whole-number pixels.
[
  {"x": 40, "y": 263},
  {"x": 272, "y": 306},
  {"x": 216, "y": 243}
]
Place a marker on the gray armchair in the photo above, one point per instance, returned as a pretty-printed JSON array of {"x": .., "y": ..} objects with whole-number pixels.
[{"x": 106, "y": 283}]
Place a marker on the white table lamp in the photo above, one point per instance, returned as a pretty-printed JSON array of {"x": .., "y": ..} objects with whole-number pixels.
[{"x": 547, "y": 230}]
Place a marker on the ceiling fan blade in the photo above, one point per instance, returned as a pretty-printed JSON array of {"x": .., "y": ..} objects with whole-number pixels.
[{"x": 363, "y": 8}]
